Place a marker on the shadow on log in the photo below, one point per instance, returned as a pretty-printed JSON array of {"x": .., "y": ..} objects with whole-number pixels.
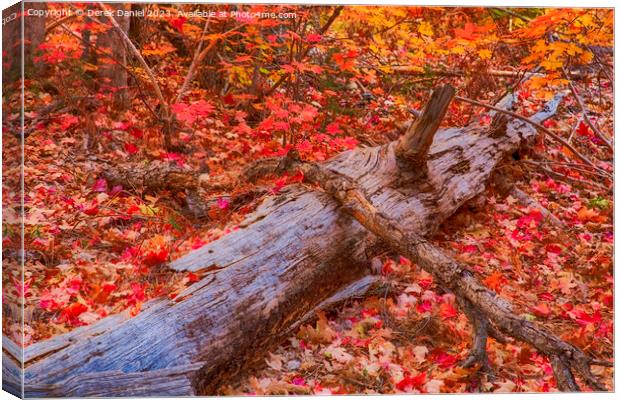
[{"x": 291, "y": 255}]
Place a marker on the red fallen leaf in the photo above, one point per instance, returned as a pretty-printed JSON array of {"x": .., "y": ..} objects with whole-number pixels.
[
  {"x": 137, "y": 294},
  {"x": 229, "y": 99},
  {"x": 583, "y": 318},
  {"x": 553, "y": 248},
  {"x": 93, "y": 209},
  {"x": 333, "y": 128},
  {"x": 179, "y": 159},
  {"x": 423, "y": 307},
  {"x": 425, "y": 283},
  {"x": 411, "y": 382},
  {"x": 387, "y": 267},
  {"x": 485, "y": 119},
  {"x": 135, "y": 132},
  {"x": 67, "y": 121},
  {"x": 546, "y": 296},
  {"x": 101, "y": 185},
  {"x": 608, "y": 299},
  {"x": 550, "y": 123},
  {"x": 542, "y": 310},
  {"x": 131, "y": 148},
  {"x": 534, "y": 217},
  {"x": 304, "y": 146},
  {"x": 470, "y": 248},
  {"x": 604, "y": 330},
  {"x": 444, "y": 359},
  {"x": 369, "y": 312},
  {"x": 222, "y": 203},
  {"x": 192, "y": 277},
  {"x": 153, "y": 258},
  {"x": 495, "y": 281},
  {"x": 299, "y": 381},
  {"x": 447, "y": 310},
  {"x": 404, "y": 261},
  {"x": 73, "y": 286},
  {"x": 583, "y": 129},
  {"x": 109, "y": 287},
  {"x": 73, "y": 311},
  {"x": 349, "y": 143}
]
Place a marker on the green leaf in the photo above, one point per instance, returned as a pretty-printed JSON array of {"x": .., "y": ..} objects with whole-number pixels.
[{"x": 599, "y": 202}]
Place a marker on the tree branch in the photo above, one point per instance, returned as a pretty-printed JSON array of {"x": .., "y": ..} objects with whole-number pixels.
[
  {"x": 412, "y": 148},
  {"x": 584, "y": 111},
  {"x": 194, "y": 64}
]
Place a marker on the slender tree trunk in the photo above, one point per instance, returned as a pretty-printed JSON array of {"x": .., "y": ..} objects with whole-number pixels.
[{"x": 112, "y": 76}]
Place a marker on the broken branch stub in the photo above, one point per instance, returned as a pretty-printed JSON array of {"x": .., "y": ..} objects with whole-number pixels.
[{"x": 412, "y": 148}]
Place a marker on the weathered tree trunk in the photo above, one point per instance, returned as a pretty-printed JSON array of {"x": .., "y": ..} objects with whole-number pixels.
[
  {"x": 295, "y": 251},
  {"x": 112, "y": 75}
]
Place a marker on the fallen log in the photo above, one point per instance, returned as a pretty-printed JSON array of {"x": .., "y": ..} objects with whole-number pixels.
[{"x": 294, "y": 252}]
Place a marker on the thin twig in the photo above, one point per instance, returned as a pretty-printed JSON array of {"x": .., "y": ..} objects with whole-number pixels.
[
  {"x": 572, "y": 132},
  {"x": 584, "y": 111},
  {"x": 566, "y": 178},
  {"x": 141, "y": 59}
]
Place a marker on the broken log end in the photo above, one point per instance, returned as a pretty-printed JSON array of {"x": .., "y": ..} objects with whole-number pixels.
[{"x": 412, "y": 148}]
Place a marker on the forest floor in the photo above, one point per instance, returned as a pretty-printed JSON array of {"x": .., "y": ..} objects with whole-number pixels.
[
  {"x": 407, "y": 335},
  {"x": 94, "y": 249}
]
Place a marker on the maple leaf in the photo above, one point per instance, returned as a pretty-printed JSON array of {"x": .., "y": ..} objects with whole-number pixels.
[
  {"x": 468, "y": 32},
  {"x": 178, "y": 23},
  {"x": 222, "y": 203},
  {"x": 410, "y": 382},
  {"x": 313, "y": 38},
  {"x": 587, "y": 214},
  {"x": 344, "y": 62},
  {"x": 425, "y": 28},
  {"x": 583, "y": 129},
  {"x": 542, "y": 310},
  {"x": 333, "y": 128},
  {"x": 447, "y": 310},
  {"x": 67, "y": 121},
  {"x": 101, "y": 185},
  {"x": 495, "y": 281},
  {"x": 156, "y": 257},
  {"x": 72, "y": 312},
  {"x": 131, "y": 148},
  {"x": 288, "y": 68},
  {"x": 420, "y": 353}
]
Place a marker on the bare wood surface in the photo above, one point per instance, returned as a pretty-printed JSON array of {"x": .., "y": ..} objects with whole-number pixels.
[{"x": 412, "y": 148}]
